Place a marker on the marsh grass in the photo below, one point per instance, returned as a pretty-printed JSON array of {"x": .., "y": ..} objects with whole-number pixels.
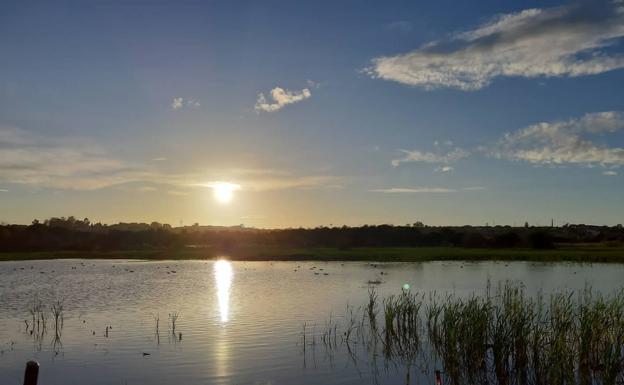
[{"x": 502, "y": 337}]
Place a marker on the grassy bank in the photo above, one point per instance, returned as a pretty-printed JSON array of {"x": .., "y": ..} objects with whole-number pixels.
[{"x": 584, "y": 253}]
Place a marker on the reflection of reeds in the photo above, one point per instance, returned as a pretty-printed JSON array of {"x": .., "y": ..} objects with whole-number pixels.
[
  {"x": 38, "y": 325},
  {"x": 507, "y": 338},
  {"x": 157, "y": 332},
  {"x": 173, "y": 317},
  {"x": 57, "y": 313}
]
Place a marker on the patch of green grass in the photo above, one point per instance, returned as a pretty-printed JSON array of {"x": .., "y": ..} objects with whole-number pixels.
[{"x": 583, "y": 253}]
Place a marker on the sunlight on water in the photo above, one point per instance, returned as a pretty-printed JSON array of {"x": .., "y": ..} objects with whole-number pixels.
[{"x": 223, "y": 279}]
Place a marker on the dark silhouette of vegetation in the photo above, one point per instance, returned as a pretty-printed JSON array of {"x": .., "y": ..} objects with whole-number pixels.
[{"x": 71, "y": 234}]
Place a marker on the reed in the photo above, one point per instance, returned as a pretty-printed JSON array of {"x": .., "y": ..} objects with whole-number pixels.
[
  {"x": 504, "y": 338},
  {"x": 173, "y": 317}
]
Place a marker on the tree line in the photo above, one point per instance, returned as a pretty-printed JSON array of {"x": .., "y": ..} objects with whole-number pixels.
[{"x": 56, "y": 234}]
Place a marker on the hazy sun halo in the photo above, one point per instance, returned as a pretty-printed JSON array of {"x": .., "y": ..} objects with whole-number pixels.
[{"x": 223, "y": 191}]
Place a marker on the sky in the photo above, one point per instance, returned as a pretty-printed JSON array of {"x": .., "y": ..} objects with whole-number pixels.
[{"x": 312, "y": 113}]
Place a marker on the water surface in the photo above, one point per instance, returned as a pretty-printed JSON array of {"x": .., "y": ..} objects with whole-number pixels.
[{"x": 238, "y": 322}]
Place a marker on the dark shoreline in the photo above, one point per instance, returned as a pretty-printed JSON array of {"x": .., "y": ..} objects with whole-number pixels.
[{"x": 585, "y": 254}]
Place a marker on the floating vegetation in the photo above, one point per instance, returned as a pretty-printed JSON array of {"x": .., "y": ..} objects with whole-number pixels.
[{"x": 505, "y": 337}]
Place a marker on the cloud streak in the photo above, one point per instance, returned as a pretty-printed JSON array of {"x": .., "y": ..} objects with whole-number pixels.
[
  {"x": 430, "y": 157},
  {"x": 425, "y": 190},
  {"x": 62, "y": 163},
  {"x": 280, "y": 98},
  {"x": 565, "y": 41},
  {"x": 414, "y": 190}
]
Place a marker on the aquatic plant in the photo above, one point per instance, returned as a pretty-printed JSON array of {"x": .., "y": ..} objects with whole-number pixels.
[
  {"x": 505, "y": 338},
  {"x": 173, "y": 317}
]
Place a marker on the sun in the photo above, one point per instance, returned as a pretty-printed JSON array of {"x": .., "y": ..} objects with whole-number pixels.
[{"x": 223, "y": 191}]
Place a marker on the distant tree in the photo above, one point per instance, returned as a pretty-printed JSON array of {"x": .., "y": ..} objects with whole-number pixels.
[{"x": 541, "y": 240}]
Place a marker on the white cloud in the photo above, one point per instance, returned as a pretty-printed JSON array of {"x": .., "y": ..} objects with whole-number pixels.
[
  {"x": 564, "y": 142},
  {"x": 280, "y": 98},
  {"x": 563, "y": 41},
  {"x": 3, "y": 190},
  {"x": 431, "y": 157},
  {"x": 180, "y": 102},
  {"x": 610, "y": 173},
  {"x": 410, "y": 190},
  {"x": 445, "y": 169},
  {"x": 177, "y": 103}
]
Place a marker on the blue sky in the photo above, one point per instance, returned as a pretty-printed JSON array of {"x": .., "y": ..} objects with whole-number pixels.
[{"x": 319, "y": 112}]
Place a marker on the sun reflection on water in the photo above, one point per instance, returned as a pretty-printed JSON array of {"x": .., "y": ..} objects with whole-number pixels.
[{"x": 223, "y": 278}]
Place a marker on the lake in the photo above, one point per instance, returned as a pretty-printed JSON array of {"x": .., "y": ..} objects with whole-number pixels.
[{"x": 237, "y": 322}]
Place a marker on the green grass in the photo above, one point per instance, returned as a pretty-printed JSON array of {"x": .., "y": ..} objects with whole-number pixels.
[{"x": 583, "y": 253}]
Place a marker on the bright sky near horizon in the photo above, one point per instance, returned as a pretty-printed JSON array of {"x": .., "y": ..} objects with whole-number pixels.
[{"x": 284, "y": 114}]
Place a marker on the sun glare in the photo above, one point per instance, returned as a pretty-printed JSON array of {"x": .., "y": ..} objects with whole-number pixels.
[
  {"x": 223, "y": 191},
  {"x": 223, "y": 277}
]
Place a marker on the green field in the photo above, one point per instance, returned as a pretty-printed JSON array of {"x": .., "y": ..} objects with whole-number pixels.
[{"x": 584, "y": 253}]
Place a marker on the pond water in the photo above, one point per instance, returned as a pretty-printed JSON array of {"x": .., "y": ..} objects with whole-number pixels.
[{"x": 237, "y": 322}]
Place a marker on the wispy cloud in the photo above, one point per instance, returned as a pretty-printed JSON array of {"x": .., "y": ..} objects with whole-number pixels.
[
  {"x": 610, "y": 173},
  {"x": 564, "y": 142},
  {"x": 431, "y": 157},
  {"x": 280, "y": 98},
  {"x": 177, "y": 193},
  {"x": 179, "y": 103},
  {"x": 26, "y": 158},
  {"x": 569, "y": 40},
  {"x": 147, "y": 189},
  {"x": 280, "y": 181},
  {"x": 414, "y": 190},
  {"x": 427, "y": 190},
  {"x": 3, "y": 190},
  {"x": 63, "y": 163}
]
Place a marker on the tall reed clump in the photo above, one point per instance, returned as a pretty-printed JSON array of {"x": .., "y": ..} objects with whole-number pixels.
[
  {"x": 512, "y": 339},
  {"x": 458, "y": 335},
  {"x": 505, "y": 338},
  {"x": 402, "y": 327}
]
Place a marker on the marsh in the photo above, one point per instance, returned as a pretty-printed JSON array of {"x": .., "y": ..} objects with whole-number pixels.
[{"x": 236, "y": 322}]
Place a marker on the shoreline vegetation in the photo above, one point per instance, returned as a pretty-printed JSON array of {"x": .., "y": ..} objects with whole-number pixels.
[
  {"x": 564, "y": 253},
  {"x": 69, "y": 237}
]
